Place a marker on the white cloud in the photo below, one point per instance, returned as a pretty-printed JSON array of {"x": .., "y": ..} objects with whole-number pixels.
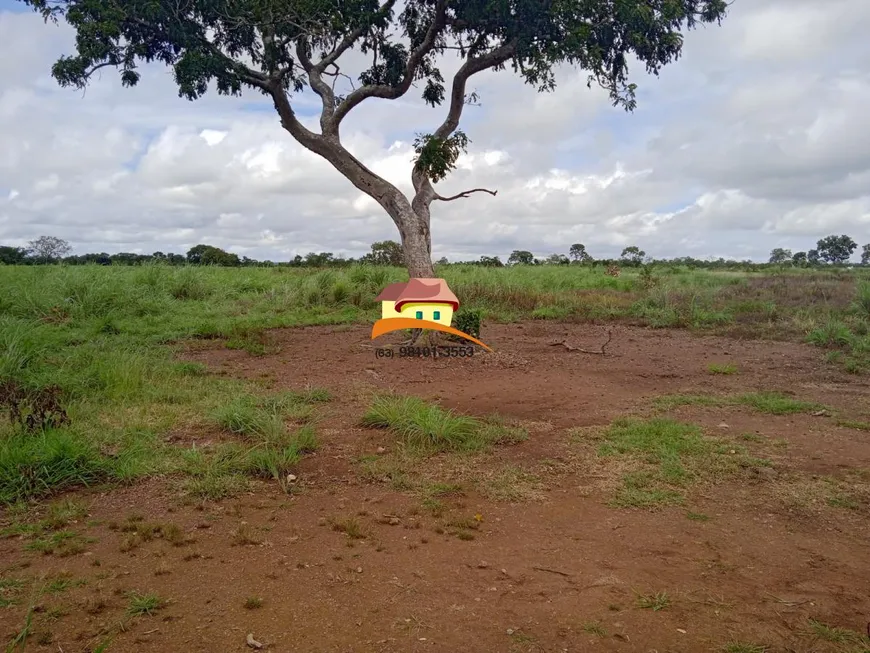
[{"x": 757, "y": 137}]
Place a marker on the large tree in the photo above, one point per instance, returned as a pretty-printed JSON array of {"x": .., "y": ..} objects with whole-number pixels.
[
  {"x": 521, "y": 257},
  {"x": 780, "y": 255},
  {"x": 210, "y": 255},
  {"x": 386, "y": 252},
  {"x": 632, "y": 255},
  {"x": 578, "y": 253},
  {"x": 12, "y": 255},
  {"x": 48, "y": 248},
  {"x": 280, "y": 47},
  {"x": 836, "y": 249}
]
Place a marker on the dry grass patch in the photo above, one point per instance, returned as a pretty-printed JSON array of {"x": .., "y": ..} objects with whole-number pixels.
[
  {"x": 647, "y": 463},
  {"x": 438, "y": 478},
  {"x": 769, "y": 403},
  {"x": 350, "y": 527},
  {"x": 245, "y": 535},
  {"x": 511, "y": 483},
  {"x": 811, "y": 494}
]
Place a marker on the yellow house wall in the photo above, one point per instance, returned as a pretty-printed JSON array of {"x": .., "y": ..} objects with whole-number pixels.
[
  {"x": 388, "y": 309},
  {"x": 428, "y": 308}
]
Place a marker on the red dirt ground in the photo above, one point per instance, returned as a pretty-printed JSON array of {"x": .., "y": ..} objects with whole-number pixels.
[{"x": 560, "y": 572}]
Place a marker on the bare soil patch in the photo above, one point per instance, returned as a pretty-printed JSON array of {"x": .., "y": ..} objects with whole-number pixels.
[{"x": 517, "y": 549}]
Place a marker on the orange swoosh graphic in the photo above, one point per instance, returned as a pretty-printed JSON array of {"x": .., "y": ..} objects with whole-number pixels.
[{"x": 388, "y": 324}]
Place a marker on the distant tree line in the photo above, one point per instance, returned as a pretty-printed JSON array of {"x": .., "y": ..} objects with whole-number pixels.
[{"x": 831, "y": 250}]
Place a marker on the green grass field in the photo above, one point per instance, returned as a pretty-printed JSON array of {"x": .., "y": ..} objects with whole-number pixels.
[{"x": 99, "y": 341}]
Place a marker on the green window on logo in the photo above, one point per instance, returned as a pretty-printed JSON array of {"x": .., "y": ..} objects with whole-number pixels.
[
  {"x": 436, "y": 315},
  {"x": 419, "y": 315}
]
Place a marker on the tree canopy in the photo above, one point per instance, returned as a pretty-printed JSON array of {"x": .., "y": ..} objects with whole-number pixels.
[
  {"x": 49, "y": 248},
  {"x": 210, "y": 255},
  {"x": 836, "y": 249},
  {"x": 386, "y": 252},
  {"x": 632, "y": 255},
  {"x": 521, "y": 257},
  {"x": 781, "y": 255},
  {"x": 578, "y": 252}
]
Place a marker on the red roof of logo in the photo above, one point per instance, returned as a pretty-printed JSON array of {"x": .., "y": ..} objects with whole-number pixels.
[{"x": 433, "y": 291}]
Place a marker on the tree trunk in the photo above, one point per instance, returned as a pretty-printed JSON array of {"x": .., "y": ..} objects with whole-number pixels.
[{"x": 416, "y": 242}]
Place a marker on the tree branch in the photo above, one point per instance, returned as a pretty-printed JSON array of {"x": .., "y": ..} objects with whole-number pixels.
[
  {"x": 471, "y": 67},
  {"x": 352, "y": 38},
  {"x": 464, "y": 194},
  {"x": 335, "y": 75},
  {"x": 320, "y": 87},
  {"x": 424, "y": 192},
  {"x": 386, "y": 91},
  {"x": 290, "y": 122},
  {"x": 97, "y": 67},
  {"x": 376, "y": 187},
  {"x": 249, "y": 76},
  {"x": 316, "y": 71}
]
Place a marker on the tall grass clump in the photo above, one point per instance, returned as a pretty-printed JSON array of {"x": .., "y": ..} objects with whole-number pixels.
[
  {"x": 420, "y": 425},
  {"x": 246, "y": 416},
  {"x": 226, "y": 470},
  {"x": 862, "y": 299},
  {"x": 23, "y": 343},
  {"x": 37, "y": 465},
  {"x": 427, "y": 428},
  {"x": 265, "y": 418},
  {"x": 848, "y": 334},
  {"x": 189, "y": 284}
]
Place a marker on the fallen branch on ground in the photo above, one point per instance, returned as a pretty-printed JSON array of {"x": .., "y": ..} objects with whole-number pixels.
[
  {"x": 601, "y": 352},
  {"x": 552, "y": 571}
]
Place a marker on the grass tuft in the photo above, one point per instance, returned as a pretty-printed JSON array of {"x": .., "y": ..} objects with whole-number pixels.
[
  {"x": 837, "y": 635},
  {"x": 144, "y": 604},
  {"x": 594, "y": 628},
  {"x": 744, "y": 647},
  {"x": 350, "y": 527},
  {"x": 37, "y": 465},
  {"x": 427, "y": 428},
  {"x": 654, "y": 602}
]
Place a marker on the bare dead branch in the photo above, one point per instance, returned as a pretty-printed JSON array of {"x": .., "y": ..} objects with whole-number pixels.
[
  {"x": 552, "y": 571},
  {"x": 466, "y": 193},
  {"x": 600, "y": 352},
  {"x": 336, "y": 74}
]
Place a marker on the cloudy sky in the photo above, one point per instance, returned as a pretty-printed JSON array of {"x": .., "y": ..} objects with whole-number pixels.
[{"x": 758, "y": 137}]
